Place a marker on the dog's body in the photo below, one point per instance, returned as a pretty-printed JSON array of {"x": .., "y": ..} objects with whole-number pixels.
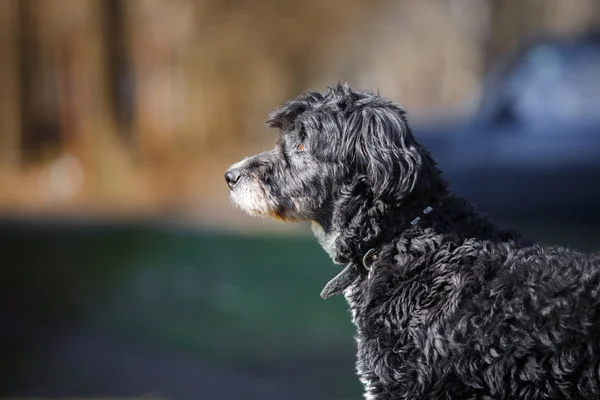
[{"x": 446, "y": 305}]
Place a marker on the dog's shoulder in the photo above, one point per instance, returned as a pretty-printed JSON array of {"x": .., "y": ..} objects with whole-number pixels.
[
  {"x": 424, "y": 269},
  {"x": 430, "y": 297}
]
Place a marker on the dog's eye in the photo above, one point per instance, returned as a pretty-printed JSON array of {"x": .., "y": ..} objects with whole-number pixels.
[{"x": 300, "y": 147}]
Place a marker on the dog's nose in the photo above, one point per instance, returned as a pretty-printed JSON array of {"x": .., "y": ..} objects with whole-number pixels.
[{"x": 232, "y": 177}]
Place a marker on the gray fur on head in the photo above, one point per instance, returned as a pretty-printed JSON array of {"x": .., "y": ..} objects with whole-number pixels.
[{"x": 453, "y": 307}]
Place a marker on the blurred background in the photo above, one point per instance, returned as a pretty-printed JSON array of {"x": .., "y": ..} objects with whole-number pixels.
[{"x": 125, "y": 271}]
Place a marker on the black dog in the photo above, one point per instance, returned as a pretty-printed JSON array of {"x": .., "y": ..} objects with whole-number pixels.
[{"x": 446, "y": 305}]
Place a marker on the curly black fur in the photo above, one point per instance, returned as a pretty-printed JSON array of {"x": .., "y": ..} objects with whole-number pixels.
[{"x": 454, "y": 307}]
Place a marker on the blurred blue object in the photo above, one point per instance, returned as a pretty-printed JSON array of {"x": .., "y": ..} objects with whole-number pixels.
[{"x": 532, "y": 149}]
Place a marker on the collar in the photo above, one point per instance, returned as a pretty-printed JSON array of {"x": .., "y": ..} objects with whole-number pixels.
[{"x": 352, "y": 271}]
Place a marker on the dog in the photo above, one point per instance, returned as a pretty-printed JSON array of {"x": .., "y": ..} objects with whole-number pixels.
[{"x": 446, "y": 304}]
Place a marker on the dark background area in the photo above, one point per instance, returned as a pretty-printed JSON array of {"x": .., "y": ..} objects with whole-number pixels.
[{"x": 124, "y": 269}]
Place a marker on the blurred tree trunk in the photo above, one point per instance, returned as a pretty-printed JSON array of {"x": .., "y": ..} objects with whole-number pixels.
[
  {"x": 9, "y": 90},
  {"x": 38, "y": 91},
  {"x": 10, "y": 128},
  {"x": 118, "y": 63},
  {"x": 88, "y": 121},
  {"x": 63, "y": 87}
]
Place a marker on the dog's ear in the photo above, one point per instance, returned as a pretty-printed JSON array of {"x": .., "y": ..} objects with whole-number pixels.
[
  {"x": 284, "y": 117},
  {"x": 381, "y": 147}
]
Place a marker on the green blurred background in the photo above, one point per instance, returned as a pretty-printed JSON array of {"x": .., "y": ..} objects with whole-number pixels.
[
  {"x": 125, "y": 272},
  {"x": 87, "y": 303}
]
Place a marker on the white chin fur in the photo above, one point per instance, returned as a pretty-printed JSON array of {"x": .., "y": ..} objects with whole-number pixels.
[
  {"x": 250, "y": 199},
  {"x": 327, "y": 241}
]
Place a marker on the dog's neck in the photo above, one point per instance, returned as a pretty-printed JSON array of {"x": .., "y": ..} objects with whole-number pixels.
[
  {"x": 335, "y": 230},
  {"x": 451, "y": 215},
  {"x": 358, "y": 260},
  {"x": 448, "y": 215}
]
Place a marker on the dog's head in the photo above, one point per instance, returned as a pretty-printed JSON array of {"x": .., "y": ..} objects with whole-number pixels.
[{"x": 332, "y": 146}]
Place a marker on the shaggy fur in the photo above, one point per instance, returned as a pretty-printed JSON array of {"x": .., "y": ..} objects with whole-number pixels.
[{"x": 452, "y": 307}]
